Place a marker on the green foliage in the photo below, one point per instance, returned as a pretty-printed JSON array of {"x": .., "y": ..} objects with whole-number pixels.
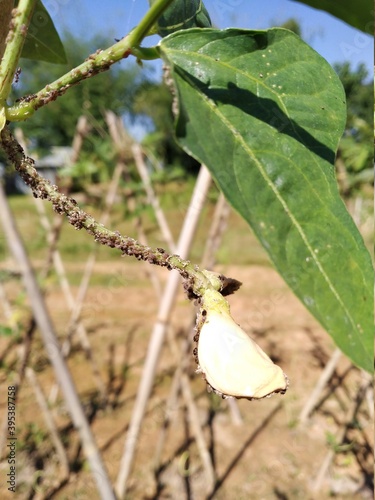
[
  {"x": 252, "y": 109},
  {"x": 265, "y": 113},
  {"x": 95, "y": 164},
  {"x": 6, "y": 331},
  {"x": 183, "y": 14},
  {"x": 33, "y": 438},
  {"x": 54, "y": 125},
  {"x": 153, "y": 101},
  {"x": 42, "y": 41},
  {"x": 356, "y": 149},
  {"x": 359, "y": 14},
  {"x": 359, "y": 94},
  {"x": 292, "y": 25},
  {"x": 166, "y": 176},
  {"x": 336, "y": 446}
]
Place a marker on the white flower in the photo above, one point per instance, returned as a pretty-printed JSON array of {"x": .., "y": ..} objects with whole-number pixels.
[{"x": 232, "y": 363}]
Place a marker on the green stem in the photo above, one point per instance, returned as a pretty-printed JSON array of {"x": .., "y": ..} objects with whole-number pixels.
[
  {"x": 148, "y": 21},
  {"x": 196, "y": 281},
  {"x": 145, "y": 53},
  {"x": 94, "y": 64},
  {"x": 21, "y": 17}
]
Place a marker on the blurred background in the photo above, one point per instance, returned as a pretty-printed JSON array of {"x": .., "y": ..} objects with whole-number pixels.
[{"x": 109, "y": 142}]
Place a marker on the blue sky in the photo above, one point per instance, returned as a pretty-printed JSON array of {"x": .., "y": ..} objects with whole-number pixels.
[{"x": 333, "y": 39}]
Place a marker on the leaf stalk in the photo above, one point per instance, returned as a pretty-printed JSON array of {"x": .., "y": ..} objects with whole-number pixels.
[
  {"x": 21, "y": 17},
  {"x": 195, "y": 280},
  {"x": 96, "y": 63}
]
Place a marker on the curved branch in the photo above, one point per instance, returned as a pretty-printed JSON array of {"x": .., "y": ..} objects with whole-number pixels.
[
  {"x": 96, "y": 63},
  {"x": 196, "y": 282}
]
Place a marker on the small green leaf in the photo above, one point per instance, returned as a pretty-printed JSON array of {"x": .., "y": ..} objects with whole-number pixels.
[
  {"x": 42, "y": 41},
  {"x": 183, "y": 14},
  {"x": 359, "y": 14},
  {"x": 265, "y": 113},
  {"x": 6, "y": 331}
]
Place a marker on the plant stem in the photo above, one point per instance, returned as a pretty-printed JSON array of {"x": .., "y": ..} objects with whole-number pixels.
[
  {"x": 5, "y": 17},
  {"x": 96, "y": 63},
  {"x": 148, "y": 21},
  {"x": 195, "y": 281},
  {"x": 145, "y": 53},
  {"x": 21, "y": 17}
]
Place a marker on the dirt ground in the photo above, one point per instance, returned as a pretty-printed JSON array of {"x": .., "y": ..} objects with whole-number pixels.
[{"x": 270, "y": 455}]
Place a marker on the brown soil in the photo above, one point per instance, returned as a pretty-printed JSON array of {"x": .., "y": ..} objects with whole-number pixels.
[{"x": 269, "y": 456}]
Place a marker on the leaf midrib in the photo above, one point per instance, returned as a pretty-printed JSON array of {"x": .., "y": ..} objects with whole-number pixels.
[
  {"x": 237, "y": 136},
  {"x": 258, "y": 82}
]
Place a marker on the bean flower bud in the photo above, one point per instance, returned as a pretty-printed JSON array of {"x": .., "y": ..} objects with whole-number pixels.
[{"x": 230, "y": 361}]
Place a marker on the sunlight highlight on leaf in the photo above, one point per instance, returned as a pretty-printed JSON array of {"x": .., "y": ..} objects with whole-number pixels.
[{"x": 265, "y": 113}]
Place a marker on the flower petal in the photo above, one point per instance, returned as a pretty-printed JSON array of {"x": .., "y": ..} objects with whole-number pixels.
[{"x": 232, "y": 363}]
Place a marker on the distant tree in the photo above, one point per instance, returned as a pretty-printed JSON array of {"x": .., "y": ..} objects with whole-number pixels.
[
  {"x": 149, "y": 103},
  {"x": 355, "y": 154},
  {"x": 359, "y": 94},
  {"x": 292, "y": 25},
  {"x": 152, "y": 106},
  {"x": 54, "y": 125},
  {"x": 126, "y": 92}
]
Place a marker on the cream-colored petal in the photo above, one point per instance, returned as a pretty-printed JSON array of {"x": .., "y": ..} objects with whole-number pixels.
[{"x": 233, "y": 364}]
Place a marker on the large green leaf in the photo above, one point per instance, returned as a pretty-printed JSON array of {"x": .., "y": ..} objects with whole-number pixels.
[
  {"x": 359, "y": 14},
  {"x": 265, "y": 113},
  {"x": 42, "y": 40},
  {"x": 183, "y": 14}
]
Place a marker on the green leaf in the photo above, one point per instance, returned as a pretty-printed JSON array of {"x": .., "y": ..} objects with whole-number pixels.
[
  {"x": 265, "y": 113},
  {"x": 359, "y": 14},
  {"x": 42, "y": 40},
  {"x": 6, "y": 331},
  {"x": 183, "y": 14}
]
